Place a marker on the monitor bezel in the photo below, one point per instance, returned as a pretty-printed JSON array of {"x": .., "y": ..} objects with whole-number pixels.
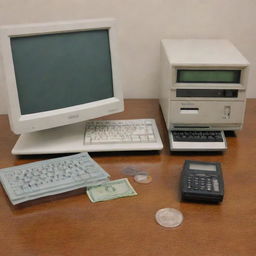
[{"x": 54, "y": 118}]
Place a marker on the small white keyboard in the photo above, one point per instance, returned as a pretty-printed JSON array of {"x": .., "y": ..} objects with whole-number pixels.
[
  {"x": 197, "y": 141},
  {"x": 122, "y": 135},
  {"x": 49, "y": 177}
]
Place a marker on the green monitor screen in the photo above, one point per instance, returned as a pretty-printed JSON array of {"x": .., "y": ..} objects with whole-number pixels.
[
  {"x": 208, "y": 76},
  {"x": 60, "y": 70}
]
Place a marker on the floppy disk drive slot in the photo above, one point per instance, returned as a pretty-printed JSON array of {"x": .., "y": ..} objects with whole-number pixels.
[{"x": 189, "y": 110}]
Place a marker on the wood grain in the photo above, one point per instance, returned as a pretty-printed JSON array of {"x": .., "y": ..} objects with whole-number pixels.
[{"x": 69, "y": 224}]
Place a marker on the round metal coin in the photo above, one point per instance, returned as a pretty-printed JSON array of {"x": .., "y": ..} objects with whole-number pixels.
[
  {"x": 130, "y": 171},
  {"x": 142, "y": 178},
  {"x": 169, "y": 217}
]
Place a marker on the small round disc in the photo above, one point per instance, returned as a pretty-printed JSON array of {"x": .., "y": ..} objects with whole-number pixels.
[
  {"x": 130, "y": 171},
  {"x": 169, "y": 217},
  {"x": 142, "y": 178}
]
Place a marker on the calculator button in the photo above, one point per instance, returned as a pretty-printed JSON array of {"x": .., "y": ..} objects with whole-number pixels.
[{"x": 215, "y": 185}]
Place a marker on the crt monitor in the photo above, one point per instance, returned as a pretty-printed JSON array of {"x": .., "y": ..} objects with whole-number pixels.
[{"x": 58, "y": 75}]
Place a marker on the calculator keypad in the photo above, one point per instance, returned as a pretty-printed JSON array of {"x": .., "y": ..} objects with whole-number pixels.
[{"x": 202, "y": 182}]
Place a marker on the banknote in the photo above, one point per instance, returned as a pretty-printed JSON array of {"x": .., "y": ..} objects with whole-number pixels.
[{"x": 111, "y": 190}]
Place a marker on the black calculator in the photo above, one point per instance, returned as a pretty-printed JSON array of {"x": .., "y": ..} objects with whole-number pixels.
[{"x": 202, "y": 181}]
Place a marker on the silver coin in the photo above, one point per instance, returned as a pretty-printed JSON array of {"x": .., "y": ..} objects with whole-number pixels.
[
  {"x": 169, "y": 217},
  {"x": 130, "y": 171},
  {"x": 142, "y": 178},
  {"x": 142, "y": 173}
]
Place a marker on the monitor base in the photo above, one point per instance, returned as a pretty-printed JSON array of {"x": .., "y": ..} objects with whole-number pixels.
[
  {"x": 65, "y": 139},
  {"x": 70, "y": 139}
]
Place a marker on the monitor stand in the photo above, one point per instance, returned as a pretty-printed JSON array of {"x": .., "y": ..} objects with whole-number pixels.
[{"x": 65, "y": 139}]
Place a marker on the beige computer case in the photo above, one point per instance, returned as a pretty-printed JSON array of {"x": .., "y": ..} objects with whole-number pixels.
[{"x": 210, "y": 113}]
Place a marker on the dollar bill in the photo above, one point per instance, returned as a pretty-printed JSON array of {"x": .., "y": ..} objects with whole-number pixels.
[{"x": 111, "y": 190}]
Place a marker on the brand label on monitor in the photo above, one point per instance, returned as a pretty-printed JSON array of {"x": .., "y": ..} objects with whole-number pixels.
[{"x": 73, "y": 116}]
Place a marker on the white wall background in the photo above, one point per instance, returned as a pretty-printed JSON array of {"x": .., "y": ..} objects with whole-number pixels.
[{"x": 141, "y": 26}]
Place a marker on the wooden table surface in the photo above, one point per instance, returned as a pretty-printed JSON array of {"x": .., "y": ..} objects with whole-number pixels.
[{"x": 69, "y": 224}]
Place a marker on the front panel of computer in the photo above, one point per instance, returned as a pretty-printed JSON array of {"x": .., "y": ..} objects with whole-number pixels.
[
  {"x": 201, "y": 105},
  {"x": 207, "y": 105}
]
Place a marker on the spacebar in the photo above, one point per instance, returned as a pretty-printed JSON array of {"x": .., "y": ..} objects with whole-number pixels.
[{"x": 109, "y": 141}]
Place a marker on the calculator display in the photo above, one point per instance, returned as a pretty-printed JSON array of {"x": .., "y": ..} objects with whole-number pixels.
[{"x": 202, "y": 167}]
